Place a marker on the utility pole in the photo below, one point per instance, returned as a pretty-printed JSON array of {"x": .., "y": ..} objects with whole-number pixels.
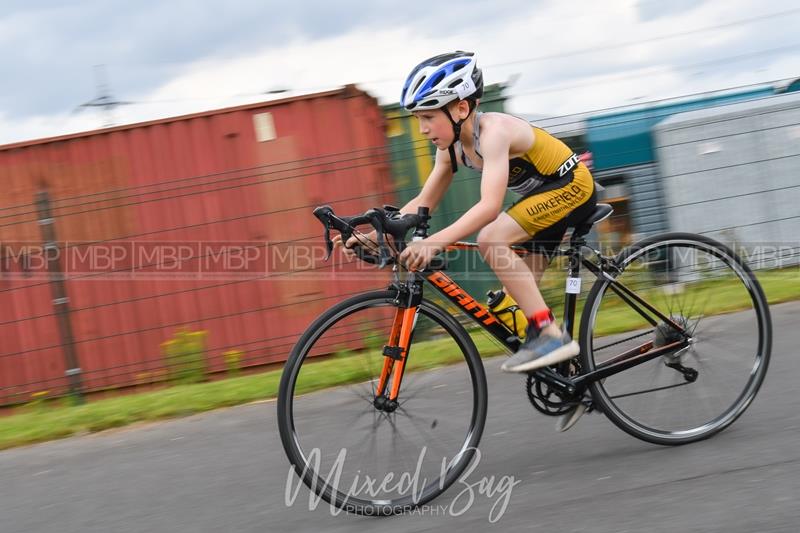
[{"x": 104, "y": 100}]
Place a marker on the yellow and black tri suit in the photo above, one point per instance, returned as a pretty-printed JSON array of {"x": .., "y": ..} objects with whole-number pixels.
[{"x": 557, "y": 189}]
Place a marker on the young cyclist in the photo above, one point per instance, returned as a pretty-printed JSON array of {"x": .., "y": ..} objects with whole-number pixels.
[{"x": 556, "y": 192}]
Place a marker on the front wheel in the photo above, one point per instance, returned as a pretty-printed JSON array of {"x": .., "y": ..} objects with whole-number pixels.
[
  {"x": 725, "y": 339},
  {"x": 344, "y": 443}
]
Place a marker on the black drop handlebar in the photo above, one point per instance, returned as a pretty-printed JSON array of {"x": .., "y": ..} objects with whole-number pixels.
[{"x": 387, "y": 219}]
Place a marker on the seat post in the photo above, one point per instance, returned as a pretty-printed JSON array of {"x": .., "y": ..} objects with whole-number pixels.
[{"x": 573, "y": 284}]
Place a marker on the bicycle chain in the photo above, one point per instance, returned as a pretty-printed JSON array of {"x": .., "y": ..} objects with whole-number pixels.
[{"x": 625, "y": 340}]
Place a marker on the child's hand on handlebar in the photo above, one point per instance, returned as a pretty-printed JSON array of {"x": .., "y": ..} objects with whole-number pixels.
[
  {"x": 418, "y": 254},
  {"x": 367, "y": 240}
]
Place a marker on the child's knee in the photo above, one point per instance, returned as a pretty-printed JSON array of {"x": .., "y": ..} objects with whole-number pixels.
[{"x": 485, "y": 237}]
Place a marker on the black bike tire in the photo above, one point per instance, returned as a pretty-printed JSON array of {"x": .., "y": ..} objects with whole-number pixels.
[
  {"x": 292, "y": 368},
  {"x": 600, "y": 397}
]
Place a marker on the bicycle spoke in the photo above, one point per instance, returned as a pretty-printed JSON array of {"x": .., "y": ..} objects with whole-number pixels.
[
  {"x": 431, "y": 438},
  {"x": 646, "y": 391},
  {"x": 384, "y": 442},
  {"x": 696, "y": 283},
  {"x": 353, "y": 419},
  {"x": 413, "y": 392},
  {"x": 732, "y": 352},
  {"x": 693, "y": 327}
]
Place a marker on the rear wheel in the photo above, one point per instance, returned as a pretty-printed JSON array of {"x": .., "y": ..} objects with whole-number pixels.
[
  {"x": 694, "y": 392},
  {"x": 345, "y": 446}
]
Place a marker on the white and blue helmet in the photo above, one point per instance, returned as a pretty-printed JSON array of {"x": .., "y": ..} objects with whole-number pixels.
[{"x": 440, "y": 80}]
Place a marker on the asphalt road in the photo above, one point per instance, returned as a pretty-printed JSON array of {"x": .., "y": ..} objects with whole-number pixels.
[{"x": 226, "y": 472}]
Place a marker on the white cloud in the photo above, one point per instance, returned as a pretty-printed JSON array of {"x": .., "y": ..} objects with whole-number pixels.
[
  {"x": 35, "y": 127},
  {"x": 603, "y": 75},
  {"x": 658, "y": 68}
]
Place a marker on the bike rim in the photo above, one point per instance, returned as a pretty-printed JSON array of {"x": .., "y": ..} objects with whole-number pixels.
[
  {"x": 730, "y": 350},
  {"x": 412, "y": 443}
]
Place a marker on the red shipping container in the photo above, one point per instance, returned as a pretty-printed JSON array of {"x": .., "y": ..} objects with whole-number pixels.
[{"x": 171, "y": 224}]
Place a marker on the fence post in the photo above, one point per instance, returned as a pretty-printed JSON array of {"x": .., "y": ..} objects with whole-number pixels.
[{"x": 60, "y": 298}]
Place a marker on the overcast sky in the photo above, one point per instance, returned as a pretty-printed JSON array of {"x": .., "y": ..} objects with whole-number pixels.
[{"x": 171, "y": 57}]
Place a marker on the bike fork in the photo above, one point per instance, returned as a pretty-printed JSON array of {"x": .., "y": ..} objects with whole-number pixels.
[
  {"x": 390, "y": 351},
  {"x": 395, "y": 357}
]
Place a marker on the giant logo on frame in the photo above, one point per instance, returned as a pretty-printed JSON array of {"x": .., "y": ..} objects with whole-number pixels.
[{"x": 457, "y": 295}]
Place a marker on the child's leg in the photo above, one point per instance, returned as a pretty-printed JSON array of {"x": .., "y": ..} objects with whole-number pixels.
[
  {"x": 537, "y": 263},
  {"x": 495, "y": 242},
  {"x": 545, "y": 217}
]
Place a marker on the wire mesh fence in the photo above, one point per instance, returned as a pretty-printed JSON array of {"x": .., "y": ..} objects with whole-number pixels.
[{"x": 100, "y": 294}]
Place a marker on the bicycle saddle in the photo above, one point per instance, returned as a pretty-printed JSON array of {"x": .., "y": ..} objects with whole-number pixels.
[{"x": 601, "y": 212}]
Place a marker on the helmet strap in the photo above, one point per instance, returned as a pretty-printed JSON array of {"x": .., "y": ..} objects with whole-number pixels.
[{"x": 456, "y": 133}]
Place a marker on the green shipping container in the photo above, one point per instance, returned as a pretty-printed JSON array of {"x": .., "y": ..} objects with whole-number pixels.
[{"x": 411, "y": 162}]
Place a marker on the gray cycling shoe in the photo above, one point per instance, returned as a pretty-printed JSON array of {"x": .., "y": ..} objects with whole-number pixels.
[
  {"x": 539, "y": 352},
  {"x": 568, "y": 419}
]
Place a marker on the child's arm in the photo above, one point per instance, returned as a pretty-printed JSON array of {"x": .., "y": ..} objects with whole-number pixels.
[
  {"x": 431, "y": 194},
  {"x": 494, "y": 180}
]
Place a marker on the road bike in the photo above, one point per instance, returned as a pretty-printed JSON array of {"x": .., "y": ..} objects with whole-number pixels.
[{"x": 675, "y": 338}]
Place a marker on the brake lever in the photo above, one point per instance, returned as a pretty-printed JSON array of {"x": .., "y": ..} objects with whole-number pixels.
[
  {"x": 376, "y": 219},
  {"x": 328, "y": 241},
  {"x": 323, "y": 213}
]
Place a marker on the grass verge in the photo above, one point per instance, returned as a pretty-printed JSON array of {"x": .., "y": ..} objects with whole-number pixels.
[{"x": 46, "y": 420}]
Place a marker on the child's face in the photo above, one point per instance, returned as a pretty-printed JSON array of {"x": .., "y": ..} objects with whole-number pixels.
[{"x": 435, "y": 126}]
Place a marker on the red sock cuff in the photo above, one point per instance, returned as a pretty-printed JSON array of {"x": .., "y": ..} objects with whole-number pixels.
[{"x": 542, "y": 318}]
